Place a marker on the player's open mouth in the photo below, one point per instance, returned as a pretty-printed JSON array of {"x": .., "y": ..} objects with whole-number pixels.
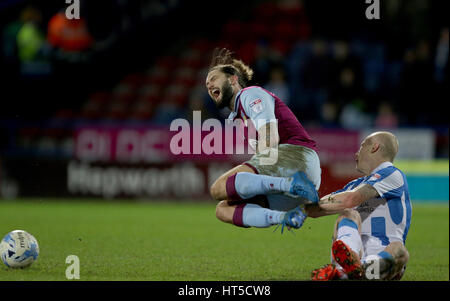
[{"x": 216, "y": 93}]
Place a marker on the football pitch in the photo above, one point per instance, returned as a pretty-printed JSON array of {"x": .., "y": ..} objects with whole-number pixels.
[{"x": 183, "y": 241}]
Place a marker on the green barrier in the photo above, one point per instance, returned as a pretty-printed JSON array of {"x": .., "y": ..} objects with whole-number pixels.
[
  {"x": 428, "y": 180},
  {"x": 423, "y": 167}
]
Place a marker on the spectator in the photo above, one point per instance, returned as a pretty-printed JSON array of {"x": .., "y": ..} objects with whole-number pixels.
[
  {"x": 24, "y": 44},
  {"x": 69, "y": 35},
  {"x": 329, "y": 115},
  {"x": 277, "y": 84},
  {"x": 441, "y": 59},
  {"x": 386, "y": 118},
  {"x": 316, "y": 79},
  {"x": 30, "y": 39},
  {"x": 345, "y": 90},
  {"x": 441, "y": 75},
  {"x": 32, "y": 48},
  {"x": 416, "y": 84},
  {"x": 353, "y": 116},
  {"x": 343, "y": 59},
  {"x": 265, "y": 59}
]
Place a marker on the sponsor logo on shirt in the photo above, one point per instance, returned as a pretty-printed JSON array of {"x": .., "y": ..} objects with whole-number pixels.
[
  {"x": 257, "y": 106},
  {"x": 375, "y": 177}
]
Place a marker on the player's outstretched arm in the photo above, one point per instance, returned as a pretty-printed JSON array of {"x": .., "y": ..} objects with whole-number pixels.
[{"x": 337, "y": 202}]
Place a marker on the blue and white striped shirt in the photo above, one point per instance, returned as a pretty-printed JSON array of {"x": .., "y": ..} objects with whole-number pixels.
[{"x": 388, "y": 216}]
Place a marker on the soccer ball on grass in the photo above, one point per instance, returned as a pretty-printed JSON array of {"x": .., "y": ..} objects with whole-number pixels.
[{"x": 19, "y": 249}]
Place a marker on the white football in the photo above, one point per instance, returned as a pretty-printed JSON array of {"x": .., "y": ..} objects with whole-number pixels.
[{"x": 19, "y": 249}]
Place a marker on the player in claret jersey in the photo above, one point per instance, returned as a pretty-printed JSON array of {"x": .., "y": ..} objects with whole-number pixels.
[{"x": 285, "y": 170}]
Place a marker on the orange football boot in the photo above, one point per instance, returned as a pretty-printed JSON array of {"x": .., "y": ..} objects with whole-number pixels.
[
  {"x": 326, "y": 273},
  {"x": 347, "y": 259}
]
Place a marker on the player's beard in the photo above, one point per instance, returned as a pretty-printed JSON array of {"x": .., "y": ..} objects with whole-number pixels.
[{"x": 227, "y": 95}]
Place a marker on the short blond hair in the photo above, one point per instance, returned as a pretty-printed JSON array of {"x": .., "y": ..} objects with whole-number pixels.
[{"x": 388, "y": 144}]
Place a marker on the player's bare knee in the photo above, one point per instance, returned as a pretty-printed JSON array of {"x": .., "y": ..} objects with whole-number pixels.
[
  {"x": 400, "y": 252},
  {"x": 216, "y": 190},
  {"x": 350, "y": 214},
  {"x": 212, "y": 190},
  {"x": 353, "y": 215},
  {"x": 219, "y": 207},
  {"x": 406, "y": 255},
  {"x": 221, "y": 211}
]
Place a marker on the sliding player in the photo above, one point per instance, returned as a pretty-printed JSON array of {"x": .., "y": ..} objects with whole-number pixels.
[
  {"x": 374, "y": 217},
  {"x": 284, "y": 172}
]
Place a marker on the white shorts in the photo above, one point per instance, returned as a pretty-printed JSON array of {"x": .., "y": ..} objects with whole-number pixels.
[
  {"x": 292, "y": 158},
  {"x": 371, "y": 246}
]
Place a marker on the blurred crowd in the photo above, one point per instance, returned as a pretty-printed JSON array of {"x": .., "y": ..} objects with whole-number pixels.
[
  {"x": 352, "y": 84},
  {"x": 355, "y": 80},
  {"x": 46, "y": 32}
]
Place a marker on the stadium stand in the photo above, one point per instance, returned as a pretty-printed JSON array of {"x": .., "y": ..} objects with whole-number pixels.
[{"x": 144, "y": 63}]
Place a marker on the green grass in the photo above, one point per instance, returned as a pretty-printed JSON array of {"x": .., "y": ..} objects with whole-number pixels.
[{"x": 184, "y": 241}]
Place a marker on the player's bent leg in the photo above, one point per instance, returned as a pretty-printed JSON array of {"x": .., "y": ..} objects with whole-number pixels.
[
  {"x": 248, "y": 214},
  {"x": 297, "y": 173},
  {"x": 347, "y": 216},
  {"x": 400, "y": 257},
  {"x": 239, "y": 185},
  {"x": 347, "y": 244},
  {"x": 218, "y": 189},
  {"x": 225, "y": 211}
]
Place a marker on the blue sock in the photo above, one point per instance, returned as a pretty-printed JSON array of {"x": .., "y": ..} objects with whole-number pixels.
[
  {"x": 259, "y": 217},
  {"x": 386, "y": 255},
  {"x": 386, "y": 264},
  {"x": 248, "y": 185}
]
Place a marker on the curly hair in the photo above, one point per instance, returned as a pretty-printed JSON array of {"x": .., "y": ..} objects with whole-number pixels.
[{"x": 222, "y": 59}]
